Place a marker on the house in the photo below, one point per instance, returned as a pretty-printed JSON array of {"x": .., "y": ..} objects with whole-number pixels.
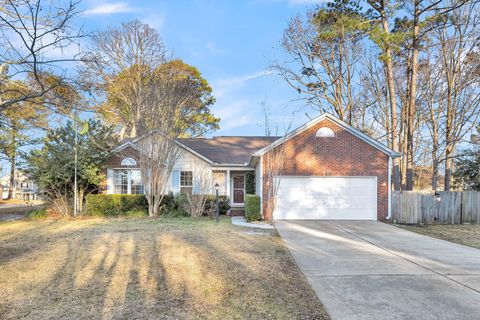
[
  {"x": 330, "y": 170},
  {"x": 23, "y": 188}
]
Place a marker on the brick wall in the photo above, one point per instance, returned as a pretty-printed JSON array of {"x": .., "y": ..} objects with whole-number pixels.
[{"x": 343, "y": 155}]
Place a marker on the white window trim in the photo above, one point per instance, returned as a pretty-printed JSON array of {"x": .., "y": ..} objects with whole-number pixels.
[
  {"x": 180, "y": 180},
  {"x": 129, "y": 180}
]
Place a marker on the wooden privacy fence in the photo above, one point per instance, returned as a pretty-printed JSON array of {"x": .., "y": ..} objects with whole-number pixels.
[{"x": 449, "y": 207}]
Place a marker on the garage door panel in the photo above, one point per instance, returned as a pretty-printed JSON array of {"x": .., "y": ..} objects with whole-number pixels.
[{"x": 326, "y": 198}]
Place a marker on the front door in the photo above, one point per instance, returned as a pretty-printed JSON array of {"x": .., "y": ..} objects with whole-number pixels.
[{"x": 238, "y": 189}]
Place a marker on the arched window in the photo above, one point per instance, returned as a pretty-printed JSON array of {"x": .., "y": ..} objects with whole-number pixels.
[
  {"x": 129, "y": 162},
  {"x": 325, "y": 132}
]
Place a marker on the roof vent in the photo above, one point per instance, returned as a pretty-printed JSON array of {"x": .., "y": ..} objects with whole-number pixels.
[{"x": 325, "y": 132}]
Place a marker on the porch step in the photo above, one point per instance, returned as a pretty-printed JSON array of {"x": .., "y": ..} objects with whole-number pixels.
[{"x": 237, "y": 212}]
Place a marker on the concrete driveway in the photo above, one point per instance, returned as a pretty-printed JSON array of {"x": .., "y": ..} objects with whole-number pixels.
[{"x": 371, "y": 270}]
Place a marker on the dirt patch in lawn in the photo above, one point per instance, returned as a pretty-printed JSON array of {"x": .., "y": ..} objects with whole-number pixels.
[
  {"x": 468, "y": 235},
  {"x": 148, "y": 269}
]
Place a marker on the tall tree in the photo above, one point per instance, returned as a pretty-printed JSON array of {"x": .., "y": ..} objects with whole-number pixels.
[
  {"x": 432, "y": 109},
  {"x": 127, "y": 60},
  {"x": 387, "y": 42},
  {"x": 422, "y": 19},
  {"x": 196, "y": 112},
  {"x": 15, "y": 127},
  {"x": 458, "y": 39},
  {"x": 323, "y": 49},
  {"x": 120, "y": 64}
]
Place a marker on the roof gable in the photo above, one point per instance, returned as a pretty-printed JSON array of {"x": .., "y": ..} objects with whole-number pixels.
[
  {"x": 132, "y": 143},
  {"x": 357, "y": 133}
]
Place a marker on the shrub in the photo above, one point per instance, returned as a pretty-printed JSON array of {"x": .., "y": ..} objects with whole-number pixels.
[
  {"x": 168, "y": 203},
  {"x": 210, "y": 205},
  {"x": 37, "y": 214},
  {"x": 114, "y": 204},
  {"x": 180, "y": 203},
  {"x": 250, "y": 182},
  {"x": 252, "y": 207}
]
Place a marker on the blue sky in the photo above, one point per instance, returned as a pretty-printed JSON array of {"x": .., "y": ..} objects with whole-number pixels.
[{"x": 230, "y": 42}]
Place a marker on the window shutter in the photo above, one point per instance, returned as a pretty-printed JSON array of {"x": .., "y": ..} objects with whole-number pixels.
[
  {"x": 109, "y": 181},
  {"x": 176, "y": 181}
]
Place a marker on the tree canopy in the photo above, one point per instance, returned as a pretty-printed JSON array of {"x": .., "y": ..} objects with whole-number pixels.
[{"x": 52, "y": 167}]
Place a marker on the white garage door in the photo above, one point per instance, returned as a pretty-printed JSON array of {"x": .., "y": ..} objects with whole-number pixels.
[{"x": 353, "y": 198}]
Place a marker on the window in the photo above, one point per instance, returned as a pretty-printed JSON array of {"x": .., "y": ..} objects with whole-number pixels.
[
  {"x": 186, "y": 181},
  {"x": 128, "y": 162},
  {"x": 127, "y": 182},
  {"x": 325, "y": 132},
  {"x": 120, "y": 182},
  {"x": 136, "y": 182}
]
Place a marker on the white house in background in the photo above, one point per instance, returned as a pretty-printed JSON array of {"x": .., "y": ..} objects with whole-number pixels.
[{"x": 23, "y": 188}]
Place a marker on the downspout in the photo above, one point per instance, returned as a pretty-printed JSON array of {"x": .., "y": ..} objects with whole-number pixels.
[
  {"x": 389, "y": 186},
  {"x": 260, "y": 169}
]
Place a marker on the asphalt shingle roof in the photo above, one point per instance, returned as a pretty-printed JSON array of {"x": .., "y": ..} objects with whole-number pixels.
[{"x": 227, "y": 149}]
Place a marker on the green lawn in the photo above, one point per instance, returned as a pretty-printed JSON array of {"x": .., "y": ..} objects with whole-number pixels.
[
  {"x": 468, "y": 235},
  {"x": 168, "y": 268}
]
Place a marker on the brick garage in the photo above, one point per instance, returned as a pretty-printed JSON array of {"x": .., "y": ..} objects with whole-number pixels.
[{"x": 344, "y": 155}]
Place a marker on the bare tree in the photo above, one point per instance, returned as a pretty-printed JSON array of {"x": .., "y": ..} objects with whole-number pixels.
[
  {"x": 122, "y": 62},
  {"x": 272, "y": 164},
  {"x": 432, "y": 109},
  {"x": 417, "y": 28},
  {"x": 459, "y": 38},
  {"x": 158, "y": 154},
  {"x": 375, "y": 100},
  {"x": 322, "y": 51},
  {"x": 202, "y": 186},
  {"x": 37, "y": 42}
]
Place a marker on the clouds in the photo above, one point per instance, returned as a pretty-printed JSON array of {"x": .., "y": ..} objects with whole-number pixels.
[
  {"x": 238, "y": 101},
  {"x": 223, "y": 85},
  {"x": 110, "y": 8}
]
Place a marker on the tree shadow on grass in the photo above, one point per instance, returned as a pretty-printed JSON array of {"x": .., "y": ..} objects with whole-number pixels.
[{"x": 152, "y": 271}]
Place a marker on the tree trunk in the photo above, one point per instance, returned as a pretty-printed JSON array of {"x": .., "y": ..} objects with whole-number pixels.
[
  {"x": 435, "y": 176},
  {"x": 12, "y": 176},
  {"x": 448, "y": 167},
  {"x": 393, "y": 101},
  {"x": 412, "y": 95},
  {"x": 81, "y": 193}
]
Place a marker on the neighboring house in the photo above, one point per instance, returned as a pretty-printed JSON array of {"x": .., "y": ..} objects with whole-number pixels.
[
  {"x": 23, "y": 188},
  {"x": 331, "y": 171}
]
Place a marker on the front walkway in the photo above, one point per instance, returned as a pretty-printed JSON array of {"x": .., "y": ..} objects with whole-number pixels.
[
  {"x": 371, "y": 270},
  {"x": 242, "y": 222}
]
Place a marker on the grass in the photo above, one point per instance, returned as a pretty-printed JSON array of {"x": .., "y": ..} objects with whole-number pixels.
[
  {"x": 468, "y": 235},
  {"x": 142, "y": 268}
]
